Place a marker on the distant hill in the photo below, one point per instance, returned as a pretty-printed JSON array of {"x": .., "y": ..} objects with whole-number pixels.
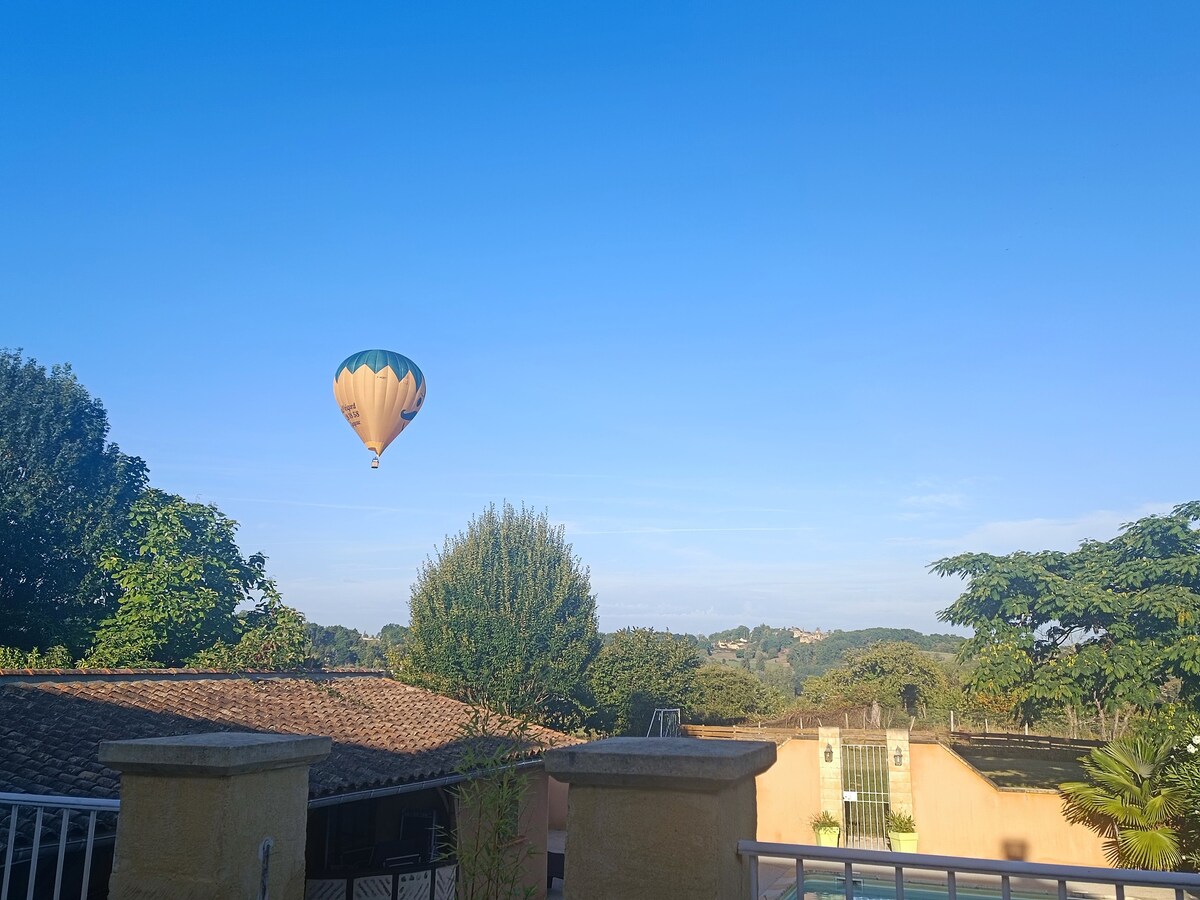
[
  {"x": 812, "y": 659},
  {"x": 785, "y": 657}
]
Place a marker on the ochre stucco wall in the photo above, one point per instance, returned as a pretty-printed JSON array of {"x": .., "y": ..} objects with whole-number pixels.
[
  {"x": 531, "y": 833},
  {"x": 788, "y": 797},
  {"x": 958, "y": 811},
  {"x": 627, "y": 843},
  {"x": 198, "y": 838},
  {"x": 556, "y": 812}
]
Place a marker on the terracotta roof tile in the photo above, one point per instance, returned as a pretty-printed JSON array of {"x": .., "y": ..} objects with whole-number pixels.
[{"x": 384, "y": 732}]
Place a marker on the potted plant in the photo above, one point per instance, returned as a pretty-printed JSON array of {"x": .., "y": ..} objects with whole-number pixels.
[
  {"x": 902, "y": 831},
  {"x": 826, "y": 827}
]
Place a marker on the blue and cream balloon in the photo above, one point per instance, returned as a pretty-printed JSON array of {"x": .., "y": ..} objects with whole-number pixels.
[{"x": 379, "y": 392}]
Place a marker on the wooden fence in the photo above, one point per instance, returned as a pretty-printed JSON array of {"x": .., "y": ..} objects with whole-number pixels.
[
  {"x": 1005, "y": 742},
  {"x": 1001, "y": 742},
  {"x": 746, "y": 732}
]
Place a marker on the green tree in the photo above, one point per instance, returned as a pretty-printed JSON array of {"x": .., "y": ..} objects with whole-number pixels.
[
  {"x": 504, "y": 616},
  {"x": 1102, "y": 629},
  {"x": 781, "y": 678},
  {"x": 53, "y": 658},
  {"x": 274, "y": 637},
  {"x": 637, "y": 671},
  {"x": 1129, "y": 801},
  {"x": 723, "y": 695},
  {"x": 183, "y": 579},
  {"x": 65, "y": 493},
  {"x": 894, "y": 674},
  {"x": 334, "y": 645},
  {"x": 731, "y": 634},
  {"x": 393, "y": 636}
]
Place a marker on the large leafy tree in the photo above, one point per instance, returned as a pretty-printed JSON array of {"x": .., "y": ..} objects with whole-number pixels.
[
  {"x": 504, "y": 616},
  {"x": 183, "y": 579},
  {"x": 637, "y": 671},
  {"x": 273, "y": 636},
  {"x": 894, "y": 674},
  {"x": 1102, "y": 629},
  {"x": 65, "y": 492},
  {"x": 723, "y": 695}
]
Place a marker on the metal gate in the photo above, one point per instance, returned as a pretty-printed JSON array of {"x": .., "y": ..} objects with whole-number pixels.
[{"x": 864, "y": 796}]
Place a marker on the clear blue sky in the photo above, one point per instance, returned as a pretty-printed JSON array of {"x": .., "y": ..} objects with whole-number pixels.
[{"x": 769, "y": 304}]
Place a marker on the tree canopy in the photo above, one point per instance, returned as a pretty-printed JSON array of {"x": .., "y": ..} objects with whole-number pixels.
[
  {"x": 183, "y": 579},
  {"x": 504, "y": 616},
  {"x": 65, "y": 492},
  {"x": 1107, "y": 628},
  {"x": 90, "y": 556},
  {"x": 724, "y": 695},
  {"x": 637, "y": 671},
  {"x": 894, "y": 674}
]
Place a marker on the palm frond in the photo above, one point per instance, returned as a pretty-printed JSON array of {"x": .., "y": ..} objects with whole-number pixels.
[{"x": 1149, "y": 848}]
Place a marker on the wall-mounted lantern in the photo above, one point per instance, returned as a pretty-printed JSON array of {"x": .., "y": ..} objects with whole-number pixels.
[
  {"x": 898, "y": 756},
  {"x": 829, "y": 753}
]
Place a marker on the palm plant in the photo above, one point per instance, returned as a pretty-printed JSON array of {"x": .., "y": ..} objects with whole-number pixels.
[
  {"x": 1128, "y": 801},
  {"x": 825, "y": 819},
  {"x": 900, "y": 821}
]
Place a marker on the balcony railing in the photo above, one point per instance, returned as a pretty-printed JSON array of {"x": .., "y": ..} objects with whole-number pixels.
[
  {"x": 28, "y": 826},
  {"x": 849, "y": 866}
]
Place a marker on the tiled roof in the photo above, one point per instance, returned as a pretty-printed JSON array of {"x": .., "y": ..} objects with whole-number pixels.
[{"x": 384, "y": 733}]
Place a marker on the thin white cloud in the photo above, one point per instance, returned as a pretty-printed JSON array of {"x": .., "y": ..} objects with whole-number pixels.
[{"x": 1036, "y": 534}]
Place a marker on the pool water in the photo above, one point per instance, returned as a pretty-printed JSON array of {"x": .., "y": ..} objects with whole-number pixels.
[{"x": 824, "y": 887}]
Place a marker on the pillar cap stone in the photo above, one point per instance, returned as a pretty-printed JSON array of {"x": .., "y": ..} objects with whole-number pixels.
[
  {"x": 213, "y": 755},
  {"x": 685, "y": 764}
]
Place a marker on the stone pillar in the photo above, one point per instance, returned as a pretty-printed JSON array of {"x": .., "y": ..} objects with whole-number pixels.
[
  {"x": 900, "y": 786},
  {"x": 659, "y": 817},
  {"x": 212, "y": 815},
  {"x": 830, "y": 738}
]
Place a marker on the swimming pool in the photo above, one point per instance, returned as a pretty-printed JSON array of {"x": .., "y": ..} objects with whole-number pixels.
[{"x": 826, "y": 887}]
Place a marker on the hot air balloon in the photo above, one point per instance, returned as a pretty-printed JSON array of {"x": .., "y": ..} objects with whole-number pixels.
[{"x": 379, "y": 392}]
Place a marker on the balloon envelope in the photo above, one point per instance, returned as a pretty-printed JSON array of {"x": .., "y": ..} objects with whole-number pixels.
[{"x": 379, "y": 392}]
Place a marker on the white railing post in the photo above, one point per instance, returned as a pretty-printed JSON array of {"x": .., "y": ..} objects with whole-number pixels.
[{"x": 41, "y": 808}]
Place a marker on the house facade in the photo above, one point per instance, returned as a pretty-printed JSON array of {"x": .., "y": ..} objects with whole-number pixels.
[{"x": 383, "y": 802}]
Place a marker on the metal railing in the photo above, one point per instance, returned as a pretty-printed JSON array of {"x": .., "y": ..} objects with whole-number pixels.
[
  {"x": 27, "y": 835},
  {"x": 952, "y": 869}
]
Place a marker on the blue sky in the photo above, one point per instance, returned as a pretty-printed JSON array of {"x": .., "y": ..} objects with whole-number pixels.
[{"x": 769, "y": 304}]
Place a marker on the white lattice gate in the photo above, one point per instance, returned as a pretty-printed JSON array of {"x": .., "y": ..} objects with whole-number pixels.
[{"x": 865, "y": 796}]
